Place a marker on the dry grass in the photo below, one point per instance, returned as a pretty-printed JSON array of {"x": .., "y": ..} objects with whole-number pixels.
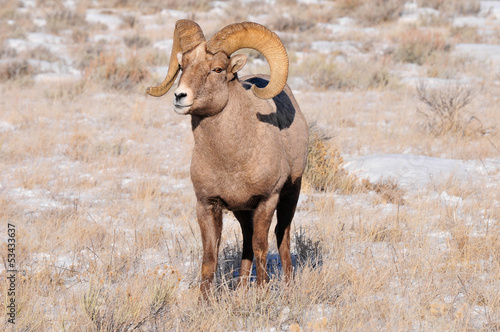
[
  {"x": 324, "y": 72},
  {"x": 95, "y": 176}
]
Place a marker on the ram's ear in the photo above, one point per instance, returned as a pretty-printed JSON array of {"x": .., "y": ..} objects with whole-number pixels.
[{"x": 236, "y": 63}]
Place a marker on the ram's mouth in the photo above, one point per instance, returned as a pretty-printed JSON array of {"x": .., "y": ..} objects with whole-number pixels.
[{"x": 182, "y": 109}]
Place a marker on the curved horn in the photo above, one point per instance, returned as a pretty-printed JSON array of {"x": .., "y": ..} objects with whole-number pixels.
[
  {"x": 187, "y": 35},
  {"x": 256, "y": 36}
]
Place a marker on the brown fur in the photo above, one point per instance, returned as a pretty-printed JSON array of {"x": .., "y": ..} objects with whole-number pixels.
[{"x": 248, "y": 157}]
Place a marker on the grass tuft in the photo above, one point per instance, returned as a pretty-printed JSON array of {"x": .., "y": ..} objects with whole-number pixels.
[{"x": 325, "y": 166}]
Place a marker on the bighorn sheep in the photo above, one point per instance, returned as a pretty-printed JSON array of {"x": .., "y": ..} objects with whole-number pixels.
[{"x": 250, "y": 140}]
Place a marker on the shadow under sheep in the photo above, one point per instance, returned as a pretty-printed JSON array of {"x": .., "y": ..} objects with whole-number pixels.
[{"x": 305, "y": 252}]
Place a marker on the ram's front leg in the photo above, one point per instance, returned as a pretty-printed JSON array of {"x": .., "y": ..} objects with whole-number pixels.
[
  {"x": 263, "y": 216},
  {"x": 210, "y": 221}
]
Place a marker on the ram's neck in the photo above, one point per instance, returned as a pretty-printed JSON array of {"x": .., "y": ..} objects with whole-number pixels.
[{"x": 229, "y": 135}]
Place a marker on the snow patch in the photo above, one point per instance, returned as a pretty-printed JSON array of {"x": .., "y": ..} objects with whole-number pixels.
[
  {"x": 433, "y": 82},
  {"x": 412, "y": 170},
  {"x": 490, "y": 7},
  {"x": 164, "y": 45},
  {"x": 58, "y": 77},
  {"x": 177, "y": 14},
  {"x": 96, "y": 16},
  {"x": 327, "y": 47},
  {"x": 483, "y": 52},
  {"x": 5, "y": 126},
  {"x": 110, "y": 39},
  {"x": 414, "y": 15},
  {"x": 450, "y": 199},
  {"x": 471, "y": 21}
]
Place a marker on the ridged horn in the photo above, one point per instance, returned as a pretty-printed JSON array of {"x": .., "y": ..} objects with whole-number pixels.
[
  {"x": 256, "y": 36},
  {"x": 187, "y": 35}
]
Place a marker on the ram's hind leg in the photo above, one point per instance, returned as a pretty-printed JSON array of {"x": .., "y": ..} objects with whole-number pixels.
[
  {"x": 246, "y": 223},
  {"x": 289, "y": 197}
]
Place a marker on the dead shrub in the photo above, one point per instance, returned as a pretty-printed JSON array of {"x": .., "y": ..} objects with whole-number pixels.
[
  {"x": 309, "y": 252},
  {"x": 79, "y": 35},
  {"x": 136, "y": 41},
  {"x": 348, "y": 6},
  {"x": 378, "y": 232},
  {"x": 156, "y": 58},
  {"x": 8, "y": 52},
  {"x": 14, "y": 70},
  {"x": 290, "y": 23},
  {"x": 129, "y": 21},
  {"x": 445, "y": 111},
  {"x": 64, "y": 19},
  {"x": 79, "y": 145},
  {"x": 89, "y": 54},
  {"x": 325, "y": 166},
  {"x": 379, "y": 11},
  {"x": 453, "y": 7},
  {"x": 388, "y": 189},
  {"x": 466, "y": 34},
  {"x": 66, "y": 91},
  {"x": 147, "y": 189},
  {"x": 152, "y": 7},
  {"x": 149, "y": 238},
  {"x": 416, "y": 46},
  {"x": 41, "y": 53},
  {"x": 118, "y": 75}
]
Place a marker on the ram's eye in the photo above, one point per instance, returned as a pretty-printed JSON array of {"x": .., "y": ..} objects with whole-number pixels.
[{"x": 218, "y": 70}]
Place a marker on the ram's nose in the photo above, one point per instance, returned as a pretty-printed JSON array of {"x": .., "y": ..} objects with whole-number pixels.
[
  {"x": 179, "y": 96},
  {"x": 182, "y": 101}
]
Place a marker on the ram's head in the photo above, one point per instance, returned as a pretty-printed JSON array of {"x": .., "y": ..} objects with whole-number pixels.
[{"x": 207, "y": 67}]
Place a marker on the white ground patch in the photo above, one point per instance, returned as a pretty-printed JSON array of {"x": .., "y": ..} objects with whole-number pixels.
[
  {"x": 483, "y": 52},
  {"x": 415, "y": 171},
  {"x": 96, "y": 16}
]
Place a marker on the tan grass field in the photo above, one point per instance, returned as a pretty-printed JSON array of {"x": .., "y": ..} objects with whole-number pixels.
[{"x": 95, "y": 174}]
